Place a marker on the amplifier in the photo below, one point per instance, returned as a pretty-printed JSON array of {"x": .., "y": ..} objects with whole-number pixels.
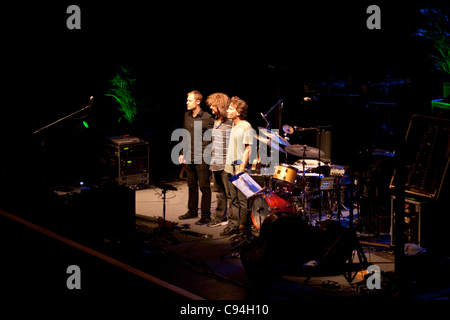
[
  {"x": 414, "y": 226},
  {"x": 127, "y": 161},
  {"x": 440, "y": 109},
  {"x": 126, "y": 139},
  {"x": 133, "y": 180}
]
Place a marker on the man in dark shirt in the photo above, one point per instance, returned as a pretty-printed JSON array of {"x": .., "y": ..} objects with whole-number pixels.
[{"x": 196, "y": 122}]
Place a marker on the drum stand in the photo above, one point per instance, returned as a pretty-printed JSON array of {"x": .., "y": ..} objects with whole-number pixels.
[
  {"x": 336, "y": 201},
  {"x": 305, "y": 213}
]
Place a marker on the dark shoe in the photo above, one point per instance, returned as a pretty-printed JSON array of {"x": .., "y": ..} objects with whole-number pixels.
[
  {"x": 228, "y": 231},
  {"x": 188, "y": 216},
  {"x": 203, "y": 220},
  {"x": 216, "y": 223},
  {"x": 237, "y": 238}
]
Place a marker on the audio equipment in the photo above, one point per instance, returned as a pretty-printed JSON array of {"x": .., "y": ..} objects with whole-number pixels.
[{"x": 127, "y": 160}]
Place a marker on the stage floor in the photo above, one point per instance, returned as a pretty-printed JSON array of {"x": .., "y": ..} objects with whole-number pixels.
[
  {"x": 226, "y": 277},
  {"x": 195, "y": 259}
]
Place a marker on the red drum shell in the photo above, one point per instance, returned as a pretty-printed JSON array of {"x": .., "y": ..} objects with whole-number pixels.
[{"x": 264, "y": 205}]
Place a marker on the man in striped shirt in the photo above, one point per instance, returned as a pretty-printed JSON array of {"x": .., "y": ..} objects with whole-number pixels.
[{"x": 219, "y": 102}]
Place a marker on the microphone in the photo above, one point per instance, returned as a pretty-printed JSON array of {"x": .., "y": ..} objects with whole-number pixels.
[{"x": 90, "y": 103}]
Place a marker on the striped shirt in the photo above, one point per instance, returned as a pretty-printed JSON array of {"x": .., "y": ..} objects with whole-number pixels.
[{"x": 220, "y": 137}]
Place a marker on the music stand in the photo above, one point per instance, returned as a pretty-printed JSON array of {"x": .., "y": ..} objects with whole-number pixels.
[{"x": 249, "y": 188}]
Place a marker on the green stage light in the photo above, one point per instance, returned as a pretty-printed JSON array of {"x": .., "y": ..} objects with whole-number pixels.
[{"x": 85, "y": 124}]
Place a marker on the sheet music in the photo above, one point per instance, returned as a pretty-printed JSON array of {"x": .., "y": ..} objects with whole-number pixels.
[{"x": 246, "y": 184}]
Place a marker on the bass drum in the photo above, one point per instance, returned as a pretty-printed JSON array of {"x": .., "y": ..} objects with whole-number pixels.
[{"x": 264, "y": 205}]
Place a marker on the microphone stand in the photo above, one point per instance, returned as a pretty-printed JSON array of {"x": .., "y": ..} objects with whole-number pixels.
[
  {"x": 264, "y": 115},
  {"x": 49, "y": 125},
  {"x": 84, "y": 108}
]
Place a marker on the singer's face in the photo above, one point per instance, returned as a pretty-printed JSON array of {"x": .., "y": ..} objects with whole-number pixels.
[
  {"x": 191, "y": 103},
  {"x": 231, "y": 112}
]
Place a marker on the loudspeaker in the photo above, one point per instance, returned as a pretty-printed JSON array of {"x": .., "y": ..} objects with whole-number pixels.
[
  {"x": 324, "y": 141},
  {"x": 333, "y": 244},
  {"x": 107, "y": 212},
  {"x": 284, "y": 243}
]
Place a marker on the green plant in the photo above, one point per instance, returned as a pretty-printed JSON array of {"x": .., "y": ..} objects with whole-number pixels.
[
  {"x": 437, "y": 31},
  {"x": 121, "y": 91}
]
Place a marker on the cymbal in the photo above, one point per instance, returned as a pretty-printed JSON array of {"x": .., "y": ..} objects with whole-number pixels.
[
  {"x": 304, "y": 150},
  {"x": 288, "y": 129},
  {"x": 274, "y": 136},
  {"x": 269, "y": 143},
  {"x": 311, "y": 163}
]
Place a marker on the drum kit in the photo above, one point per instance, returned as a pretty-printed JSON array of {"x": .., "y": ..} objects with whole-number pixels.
[{"x": 290, "y": 188}]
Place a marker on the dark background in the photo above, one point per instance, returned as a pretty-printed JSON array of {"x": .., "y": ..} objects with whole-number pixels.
[{"x": 260, "y": 52}]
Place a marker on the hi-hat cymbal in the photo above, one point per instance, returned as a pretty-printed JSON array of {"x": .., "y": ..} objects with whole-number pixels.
[
  {"x": 274, "y": 136},
  {"x": 304, "y": 151},
  {"x": 269, "y": 143}
]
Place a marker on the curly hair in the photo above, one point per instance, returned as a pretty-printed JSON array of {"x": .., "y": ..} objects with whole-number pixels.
[
  {"x": 221, "y": 101},
  {"x": 241, "y": 106}
]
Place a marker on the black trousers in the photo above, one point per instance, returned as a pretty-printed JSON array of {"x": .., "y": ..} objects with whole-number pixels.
[
  {"x": 198, "y": 178},
  {"x": 222, "y": 190}
]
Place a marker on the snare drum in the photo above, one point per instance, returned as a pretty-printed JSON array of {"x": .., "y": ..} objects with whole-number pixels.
[
  {"x": 285, "y": 173},
  {"x": 264, "y": 205}
]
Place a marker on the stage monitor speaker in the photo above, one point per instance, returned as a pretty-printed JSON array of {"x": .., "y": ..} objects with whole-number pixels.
[{"x": 286, "y": 242}]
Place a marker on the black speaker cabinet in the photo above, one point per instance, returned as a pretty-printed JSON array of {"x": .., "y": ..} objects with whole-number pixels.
[
  {"x": 324, "y": 141},
  {"x": 107, "y": 212}
]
